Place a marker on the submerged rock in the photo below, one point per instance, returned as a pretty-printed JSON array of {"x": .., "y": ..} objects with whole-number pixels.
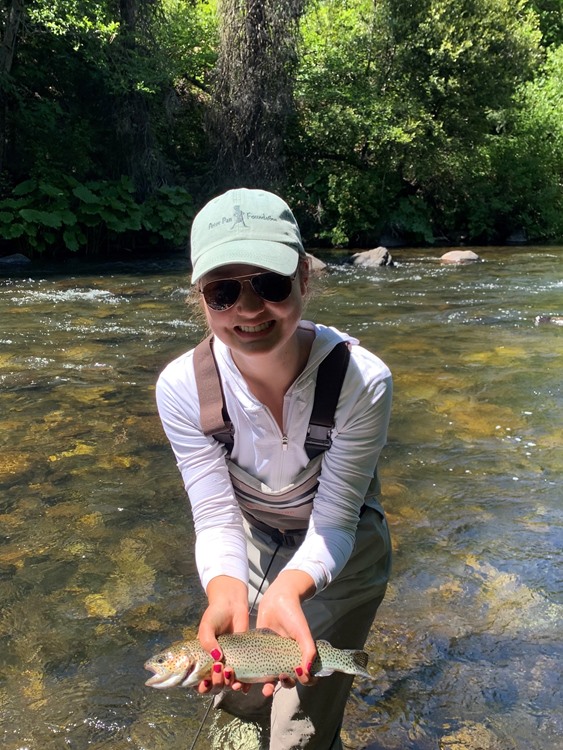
[{"x": 473, "y": 735}]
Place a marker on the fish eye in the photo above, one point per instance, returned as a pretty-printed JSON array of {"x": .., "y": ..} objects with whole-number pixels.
[{"x": 160, "y": 660}]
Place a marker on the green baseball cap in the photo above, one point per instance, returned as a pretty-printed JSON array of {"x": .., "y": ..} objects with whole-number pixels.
[{"x": 245, "y": 226}]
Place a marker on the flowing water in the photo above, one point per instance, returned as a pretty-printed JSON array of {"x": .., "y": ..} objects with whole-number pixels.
[{"x": 96, "y": 543}]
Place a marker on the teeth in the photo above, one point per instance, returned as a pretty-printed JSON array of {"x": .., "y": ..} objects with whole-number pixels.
[{"x": 254, "y": 329}]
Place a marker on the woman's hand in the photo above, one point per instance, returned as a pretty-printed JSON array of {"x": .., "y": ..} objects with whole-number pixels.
[
  {"x": 227, "y": 612},
  {"x": 281, "y": 611}
]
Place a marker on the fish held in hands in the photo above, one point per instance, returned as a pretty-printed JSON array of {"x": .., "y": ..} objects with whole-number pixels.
[{"x": 255, "y": 656}]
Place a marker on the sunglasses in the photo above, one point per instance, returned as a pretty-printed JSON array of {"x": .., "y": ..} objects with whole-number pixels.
[{"x": 222, "y": 294}]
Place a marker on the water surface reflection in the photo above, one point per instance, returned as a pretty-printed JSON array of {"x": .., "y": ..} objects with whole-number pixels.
[{"x": 96, "y": 559}]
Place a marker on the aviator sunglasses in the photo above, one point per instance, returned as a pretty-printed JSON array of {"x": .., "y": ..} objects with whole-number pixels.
[{"x": 222, "y": 294}]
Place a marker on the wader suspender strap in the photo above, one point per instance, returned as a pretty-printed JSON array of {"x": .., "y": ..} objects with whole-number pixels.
[
  {"x": 213, "y": 412},
  {"x": 330, "y": 377},
  {"x": 215, "y": 418}
]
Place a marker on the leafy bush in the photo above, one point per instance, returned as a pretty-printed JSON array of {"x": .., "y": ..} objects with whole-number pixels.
[
  {"x": 70, "y": 216},
  {"x": 402, "y": 113}
]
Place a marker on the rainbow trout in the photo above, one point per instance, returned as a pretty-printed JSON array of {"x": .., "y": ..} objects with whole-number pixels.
[{"x": 255, "y": 656}]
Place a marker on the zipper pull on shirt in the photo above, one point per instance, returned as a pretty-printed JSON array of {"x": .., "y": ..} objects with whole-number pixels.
[{"x": 284, "y": 442}]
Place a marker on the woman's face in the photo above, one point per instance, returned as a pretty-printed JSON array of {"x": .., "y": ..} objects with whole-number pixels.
[{"x": 253, "y": 325}]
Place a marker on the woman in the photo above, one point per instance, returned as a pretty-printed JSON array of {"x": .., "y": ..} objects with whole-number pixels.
[{"x": 325, "y": 574}]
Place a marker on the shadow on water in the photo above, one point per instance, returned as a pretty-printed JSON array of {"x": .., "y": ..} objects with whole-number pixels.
[{"x": 96, "y": 544}]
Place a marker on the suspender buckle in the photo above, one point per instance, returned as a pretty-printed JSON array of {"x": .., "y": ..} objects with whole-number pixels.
[{"x": 319, "y": 439}]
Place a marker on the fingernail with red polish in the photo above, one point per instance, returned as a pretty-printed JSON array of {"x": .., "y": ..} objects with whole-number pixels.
[
  {"x": 309, "y": 666},
  {"x": 216, "y": 654},
  {"x": 228, "y": 674},
  {"x": 217, "y": 668},
  {"x": 299, "y": 671},
  {"x": 207, "y": 683}
]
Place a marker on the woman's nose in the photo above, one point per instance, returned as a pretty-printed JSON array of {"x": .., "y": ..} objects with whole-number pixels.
[{"x": 248, "y": 299}]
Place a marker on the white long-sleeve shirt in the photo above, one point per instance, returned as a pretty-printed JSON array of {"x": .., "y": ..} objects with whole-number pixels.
[{"x": 260, "y": 448}]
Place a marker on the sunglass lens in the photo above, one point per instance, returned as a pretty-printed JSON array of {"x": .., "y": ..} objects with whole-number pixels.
[
  {"x": 273, "y": 287},
  {"x": 220, "y": 295}
]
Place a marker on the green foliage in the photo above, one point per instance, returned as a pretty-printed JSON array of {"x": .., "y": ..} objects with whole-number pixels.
[
  {"x": 529, "y": 160},
  {"x": 166, "y": 215},
  {"x": 80, "y": 85},
  {"x": 513, "y": 178},
  {"x": 396, "y": 99},
  {"x": 550, "y": 13},
  {"x": 76, "y": 216},
  {"x": 432, "y": 120},
  {"x": 188, "y": 40},
  {"x": 96, "y": 120},
  {"x": 186, "y": 37}
]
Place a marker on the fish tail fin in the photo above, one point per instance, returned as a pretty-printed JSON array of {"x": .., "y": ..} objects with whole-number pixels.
[
  {"x": 360, "y": 658},
  {"x": 360, "y": 661},
  {"x": 348, "y": 660}
]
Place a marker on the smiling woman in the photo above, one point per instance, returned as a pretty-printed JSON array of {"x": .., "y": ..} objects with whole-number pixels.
[{"x": 295, "y": 531}]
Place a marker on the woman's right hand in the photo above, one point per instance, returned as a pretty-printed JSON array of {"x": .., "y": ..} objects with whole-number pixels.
[{"x": 227, "y": 612}]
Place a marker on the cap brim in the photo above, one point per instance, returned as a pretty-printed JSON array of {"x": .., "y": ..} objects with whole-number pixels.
[{"x": 272, "y": 256}]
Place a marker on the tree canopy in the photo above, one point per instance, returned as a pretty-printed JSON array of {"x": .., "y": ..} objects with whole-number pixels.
[{"x": 420, "y": 122}]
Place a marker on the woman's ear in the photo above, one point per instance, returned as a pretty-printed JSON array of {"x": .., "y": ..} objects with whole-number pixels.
[{"x": 304, "y": 273}]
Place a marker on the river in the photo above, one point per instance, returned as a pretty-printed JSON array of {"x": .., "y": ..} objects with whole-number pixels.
[{"x": 96, "y": 544}]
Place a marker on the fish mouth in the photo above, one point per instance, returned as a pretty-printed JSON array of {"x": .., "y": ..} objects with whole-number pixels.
[{"x": 166, "y": 681}]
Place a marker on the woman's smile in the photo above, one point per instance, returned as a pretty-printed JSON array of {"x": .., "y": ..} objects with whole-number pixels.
[{"x": 257, "y": 328}]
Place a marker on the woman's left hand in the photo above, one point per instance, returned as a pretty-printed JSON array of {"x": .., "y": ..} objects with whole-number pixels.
[{"x": 280, "y": 610}]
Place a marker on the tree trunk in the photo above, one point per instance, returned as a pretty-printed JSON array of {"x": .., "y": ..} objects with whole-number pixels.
[
  {"x": 253, "y": 90},
  {"x": 7, "y": 51},
  {"x": 142, "y": 159}
]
